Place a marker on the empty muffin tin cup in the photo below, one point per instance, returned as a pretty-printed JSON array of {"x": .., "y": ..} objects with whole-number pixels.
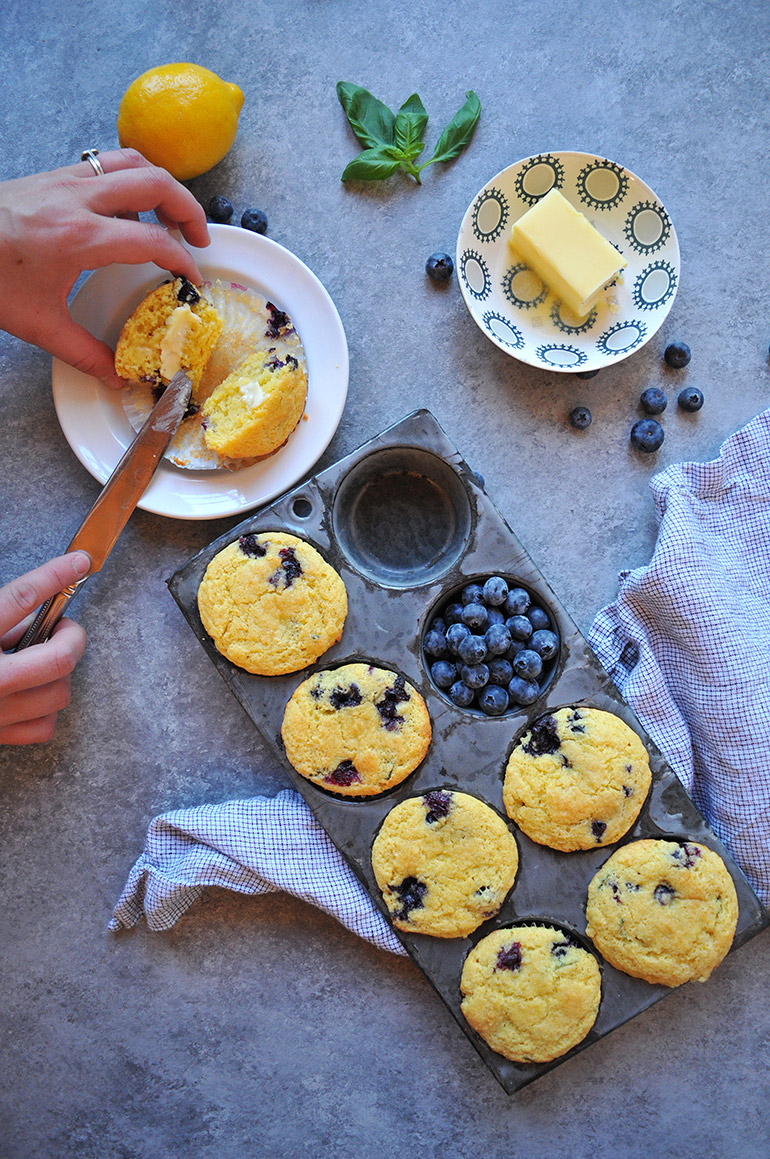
[{"x": 402, "y": 517}]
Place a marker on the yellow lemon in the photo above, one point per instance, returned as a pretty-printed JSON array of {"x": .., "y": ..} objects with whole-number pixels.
[{"x": 180, "y": 116}]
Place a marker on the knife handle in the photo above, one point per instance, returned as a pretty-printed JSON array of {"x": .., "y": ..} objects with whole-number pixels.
[{"x": 48, "y": 616}]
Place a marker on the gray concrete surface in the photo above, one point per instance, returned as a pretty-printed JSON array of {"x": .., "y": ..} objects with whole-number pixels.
[{"x": 259, "y": 1028}]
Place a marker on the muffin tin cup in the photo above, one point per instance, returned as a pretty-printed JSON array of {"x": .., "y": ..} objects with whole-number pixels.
[{"x": 405, "y": 522}]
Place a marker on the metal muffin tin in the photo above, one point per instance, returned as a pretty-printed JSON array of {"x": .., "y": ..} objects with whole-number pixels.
[{"x": 405, "y": 522}]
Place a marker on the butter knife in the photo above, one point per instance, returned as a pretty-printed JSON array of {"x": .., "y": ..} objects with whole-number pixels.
[{"x": 122, "y": 491}]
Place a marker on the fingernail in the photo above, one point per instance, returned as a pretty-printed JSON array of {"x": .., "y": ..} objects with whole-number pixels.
[{"x": 81, "y": 563}]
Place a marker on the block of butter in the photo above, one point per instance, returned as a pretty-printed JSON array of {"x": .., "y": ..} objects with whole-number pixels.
[{"x": 563, "y": 248}]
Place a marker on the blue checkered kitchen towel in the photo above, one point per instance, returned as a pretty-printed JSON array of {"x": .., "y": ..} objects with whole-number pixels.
[{"x": 688, "y": 644}]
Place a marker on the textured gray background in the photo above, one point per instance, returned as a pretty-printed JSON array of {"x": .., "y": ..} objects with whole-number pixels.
[{"x": 259, "y": 1027}]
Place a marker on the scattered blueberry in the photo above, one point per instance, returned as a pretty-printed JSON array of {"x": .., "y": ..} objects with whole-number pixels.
[
  {"x": 647, "y": 435},
  {"x": 479, "y": 479},
  {"x": 580, "y": 418},
  {"x": 528, "y": 664},
  {"x": 220, "y": 209},
  {"x": 461, "y": 695},
  {"x": 493, "y": 700},
  {"x": 439, "y": 267},
  {"x": 523, "y": 691},
  {"x": 653, "y": 400},
  {"x": 255, "y": 220},
  {"x": 586, "y": 373},
  {"x": 690, "y": 399},
  {"x": 677, "y": 354},
  {"x": 443, "y": 673}
]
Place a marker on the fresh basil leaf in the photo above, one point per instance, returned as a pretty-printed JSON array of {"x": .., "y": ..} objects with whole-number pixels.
[
  {"x": 373, "y": 164},
  {"x": 409, "y": 128},
  {"x": 371, "y": 121},
  {"x": 459, "y": 131}
]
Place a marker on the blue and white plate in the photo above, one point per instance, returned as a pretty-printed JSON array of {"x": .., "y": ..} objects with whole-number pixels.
[{"x": 516, "y": 310}]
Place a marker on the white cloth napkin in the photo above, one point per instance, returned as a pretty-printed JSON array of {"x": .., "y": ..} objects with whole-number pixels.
[{"x": 687, "y": 642}]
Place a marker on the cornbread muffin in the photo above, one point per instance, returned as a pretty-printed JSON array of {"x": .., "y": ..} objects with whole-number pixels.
[
  {"x": 356, "y": 730},
  {"x": 255, "y": 409},
  {"x": 173, "y": 328},
  {"x": 577, "y": 779},
  {"x": 444, "y": 862},
  {"x": 531, "y": 992},
  {"x": 663, "y": 911},
  {"x": 271, "y": 603}
]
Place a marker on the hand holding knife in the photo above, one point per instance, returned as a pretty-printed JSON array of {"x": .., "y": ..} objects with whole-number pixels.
[{"x": 123, "y": 490}]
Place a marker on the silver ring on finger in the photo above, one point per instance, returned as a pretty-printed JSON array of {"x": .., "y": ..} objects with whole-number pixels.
[{"x": 91, "y": 155}]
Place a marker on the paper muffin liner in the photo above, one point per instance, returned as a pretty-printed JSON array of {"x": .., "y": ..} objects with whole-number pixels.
[{"x": 250, "y": 323}]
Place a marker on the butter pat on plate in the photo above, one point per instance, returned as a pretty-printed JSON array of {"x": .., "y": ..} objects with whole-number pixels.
[{"x": 562, "y": 247}]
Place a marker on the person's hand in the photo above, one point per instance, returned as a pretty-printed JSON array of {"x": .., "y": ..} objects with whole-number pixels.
[
  {"x": 35, "y": 683},
  {"x": 53, "y": 226}
]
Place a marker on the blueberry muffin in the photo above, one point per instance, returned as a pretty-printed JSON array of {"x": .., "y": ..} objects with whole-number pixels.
[
  {"x": 663, "y": 911},
  {"x": 531, "y": 992},
  {"x": 577, "y": 779},
  {"x": 356, "y": 730},
  {"x": 271, "y": 603},
  {"x": 444, "y": 862},
  {"x": 255, "y": 409},
  {"x": 173, "y": 328}
]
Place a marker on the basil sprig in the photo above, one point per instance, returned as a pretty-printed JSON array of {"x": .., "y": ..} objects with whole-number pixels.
[{"x": 394, "y": 141}]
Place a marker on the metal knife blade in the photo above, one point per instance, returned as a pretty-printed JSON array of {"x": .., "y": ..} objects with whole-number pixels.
[{"x": 101, "y": 527}]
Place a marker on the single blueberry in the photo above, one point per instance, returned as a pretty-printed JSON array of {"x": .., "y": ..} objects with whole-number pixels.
[
  {"x": 439, "y": 624},
  {"x": 345, "y": 775},
  {"x": 516, "y": 602},
  {"x": 677, "y": 354},
  {"x": 476, "y": 617},
  {"x": 543, "y": 737},
  {"x": 545, "y": 643},
  {"x": 509, "y": 957},
  {"x": 479, "y": 479},
  {"x": 349, "y": 697},
  {"x": 443, "y": 673},
  {"x": 523, "y": 691},
  {"x": 538, "y": 618},
  {"x": 472, "y": 649},
  {"x": 690, "y": 399},
  {"x": 647, "y": 435},
  {"x": 439, "y": 267},
  {"x": 437, "y": 803},
  {"x": 474, "y": 675},
  {"x": 496, "y": 616},
  {"x": 455, "y": 634},
  {"x": 471, "y": 594},
  {"x": 580, "y": 418},
  {"x": 515, "y": 648},
  {"x": 493, "y": 700},
  {"x": 653, "y": 400},
  {"x": 520, "y": 627},
  {"x": 187, "y": 292},
  {"x": 528, "y": 664},
  {"x": 411, "y": 893},
  {"x": 598, "y": 829},
  {"x": 497, "y": 639},
  {"x": 500, "y": 671},
  {"x": 461, "y": 695},
  {"x": 255, "y": 220},
  {"x": 494, "y": 591},
  {"x": 220, "y": 209},
  {"x": 435, "y": 643},
  {"x": 664, "y": 894},
  {"x": 453, "y": 614}
]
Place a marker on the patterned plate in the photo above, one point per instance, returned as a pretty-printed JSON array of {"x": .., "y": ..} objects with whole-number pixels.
[{"x": 515, "y": 309}]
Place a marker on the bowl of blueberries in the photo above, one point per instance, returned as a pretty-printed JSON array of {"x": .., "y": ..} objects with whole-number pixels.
[{"x": 491, "y": 646}]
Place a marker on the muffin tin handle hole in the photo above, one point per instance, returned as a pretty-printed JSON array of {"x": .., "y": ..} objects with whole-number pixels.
[{"x": 301, "y": 507}]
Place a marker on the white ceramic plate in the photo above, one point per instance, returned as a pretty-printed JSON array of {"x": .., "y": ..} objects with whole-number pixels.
[
  {"x": 513, "y": 307},
  {"x": 92, "y": 416}
]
